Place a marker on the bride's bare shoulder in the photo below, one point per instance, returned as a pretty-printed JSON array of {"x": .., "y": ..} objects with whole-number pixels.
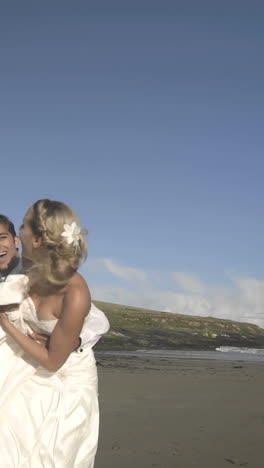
[{"x": 77, "y": 282}]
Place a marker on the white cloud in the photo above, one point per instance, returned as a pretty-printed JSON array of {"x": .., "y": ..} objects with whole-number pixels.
[
  {"x": 189, "y": 283},
  {"x": 123, "y": 272},
  {"x": 242, "y": 301}
]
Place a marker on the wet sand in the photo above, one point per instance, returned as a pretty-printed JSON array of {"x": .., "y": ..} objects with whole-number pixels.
[{"x": 166, "y": 414}]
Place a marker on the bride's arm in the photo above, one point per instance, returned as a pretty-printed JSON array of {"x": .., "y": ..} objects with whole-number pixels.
[{"x": 76, "y": 304}]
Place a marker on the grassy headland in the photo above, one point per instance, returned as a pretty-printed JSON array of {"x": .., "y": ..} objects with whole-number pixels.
[{"x": 134, "y": 328}]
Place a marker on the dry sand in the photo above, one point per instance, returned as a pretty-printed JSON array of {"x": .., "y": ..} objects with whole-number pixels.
[{"x": 185, "y": 413}]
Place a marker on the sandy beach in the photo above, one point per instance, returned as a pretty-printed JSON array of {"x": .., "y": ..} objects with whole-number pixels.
[{"x": 166, "y": 414}]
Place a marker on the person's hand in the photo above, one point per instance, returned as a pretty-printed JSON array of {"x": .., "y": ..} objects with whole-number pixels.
[
  {"x": 3, "y": 320},
  {"x": 40, "y": 338}
]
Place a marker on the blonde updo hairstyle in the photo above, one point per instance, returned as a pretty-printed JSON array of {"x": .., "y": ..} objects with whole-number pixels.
[{"x": 55, "y": 261}]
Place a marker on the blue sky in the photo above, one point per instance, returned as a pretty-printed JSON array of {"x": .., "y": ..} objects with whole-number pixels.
[{"x": 147, "y": 118}]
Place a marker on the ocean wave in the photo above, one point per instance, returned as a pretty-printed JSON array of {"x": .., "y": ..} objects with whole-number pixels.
[{"x": 234, "y": 349}]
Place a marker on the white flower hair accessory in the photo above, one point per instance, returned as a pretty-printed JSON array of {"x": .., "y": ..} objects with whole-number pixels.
[{"x": 72, "y": 234}]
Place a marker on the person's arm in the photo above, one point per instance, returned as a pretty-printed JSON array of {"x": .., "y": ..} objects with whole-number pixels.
[
  {"x": 76, "y": 304},
  {"x": 43, "y": 339}
]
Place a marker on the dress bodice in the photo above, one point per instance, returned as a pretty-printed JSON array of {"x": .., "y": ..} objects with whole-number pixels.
[
  {"x": 29, "y": 313},
  {"x": 95, "y": 324}
]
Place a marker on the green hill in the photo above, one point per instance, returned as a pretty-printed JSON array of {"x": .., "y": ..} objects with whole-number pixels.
[{"x": 134, "y": 328}]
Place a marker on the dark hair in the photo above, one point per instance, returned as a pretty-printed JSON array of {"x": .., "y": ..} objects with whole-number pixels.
[{"x": 8, "y": 224}]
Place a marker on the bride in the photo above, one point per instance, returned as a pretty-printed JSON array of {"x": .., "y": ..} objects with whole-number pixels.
[{"x": 49, "y": 416}]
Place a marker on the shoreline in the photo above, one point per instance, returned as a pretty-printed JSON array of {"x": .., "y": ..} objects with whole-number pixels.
[{"x": 229, "y": 354}]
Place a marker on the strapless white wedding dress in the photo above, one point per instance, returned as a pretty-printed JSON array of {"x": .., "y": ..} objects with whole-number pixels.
[{"x": 47, "y": 419}]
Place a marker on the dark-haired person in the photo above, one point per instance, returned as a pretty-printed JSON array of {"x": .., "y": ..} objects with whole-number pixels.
[
  {"x": 9, "y": 244},
  {"x": 51, "y": 418}
]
